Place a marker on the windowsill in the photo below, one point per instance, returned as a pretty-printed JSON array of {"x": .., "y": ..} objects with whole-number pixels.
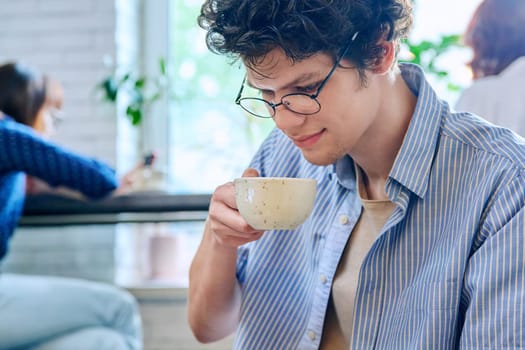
[
  {"x": 50, "y": 210},
  {"x": 153, "y": 292}
]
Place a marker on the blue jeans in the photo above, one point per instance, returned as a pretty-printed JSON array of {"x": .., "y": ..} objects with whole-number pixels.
[{"x": 52, "y": 313}]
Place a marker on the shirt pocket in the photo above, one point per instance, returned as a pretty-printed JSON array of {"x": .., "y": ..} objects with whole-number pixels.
[{"x": 429, "y": 296}]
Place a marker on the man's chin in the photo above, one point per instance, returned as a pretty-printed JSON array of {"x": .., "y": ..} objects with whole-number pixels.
[{"x": 319, "y": 159}]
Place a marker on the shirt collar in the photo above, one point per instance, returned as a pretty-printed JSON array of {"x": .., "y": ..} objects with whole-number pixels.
[
  {"x": 414, "y": 160},
  {"x": 344, "y": 171}
]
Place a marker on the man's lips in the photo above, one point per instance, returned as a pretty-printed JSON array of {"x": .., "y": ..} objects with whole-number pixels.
[{"x": 307, "y": 140}]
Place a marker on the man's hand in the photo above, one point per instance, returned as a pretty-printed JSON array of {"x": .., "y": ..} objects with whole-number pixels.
[
  {"x": 226, "y": 224},
  {"x": 214, "y": 302}
]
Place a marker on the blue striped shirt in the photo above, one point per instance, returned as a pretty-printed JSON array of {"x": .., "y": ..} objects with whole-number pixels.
[{"x": 447, "y": 270}]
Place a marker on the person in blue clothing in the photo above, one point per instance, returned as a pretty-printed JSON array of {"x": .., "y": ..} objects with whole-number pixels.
[
  {"x": 38, "y": 312},
  {"x": 417, "y": 236}
]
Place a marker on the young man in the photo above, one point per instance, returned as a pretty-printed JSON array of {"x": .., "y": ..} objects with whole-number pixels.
[{"x": 417, "y": 237}]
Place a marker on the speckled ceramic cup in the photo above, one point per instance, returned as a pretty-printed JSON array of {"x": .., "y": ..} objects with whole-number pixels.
[{"x": 275, "y": 203}]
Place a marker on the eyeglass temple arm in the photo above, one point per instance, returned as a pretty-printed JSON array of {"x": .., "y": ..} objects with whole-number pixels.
[
  {"x": 238, "y": 98},
  {"x": 335, "y": 65}
]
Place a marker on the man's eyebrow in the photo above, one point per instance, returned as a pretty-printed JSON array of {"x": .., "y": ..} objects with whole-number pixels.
[{"x": 297, "y": 81}]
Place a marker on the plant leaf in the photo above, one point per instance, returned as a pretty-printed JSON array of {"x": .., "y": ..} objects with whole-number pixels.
[
  {"x": 140, "y": 83},
  {"x": 134, "y": 114},
  {"x": 162, "y": 64}
]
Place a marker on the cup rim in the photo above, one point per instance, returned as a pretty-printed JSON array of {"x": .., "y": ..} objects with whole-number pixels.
[{"x": 274, "y": 178}]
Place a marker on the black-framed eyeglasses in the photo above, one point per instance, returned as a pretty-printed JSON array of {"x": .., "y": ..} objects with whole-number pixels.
[{"x": 297, "y": 102}]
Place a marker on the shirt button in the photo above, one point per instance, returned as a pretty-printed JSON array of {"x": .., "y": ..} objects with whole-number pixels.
[
  {"x": 343, "y": 219},
  {"x": 322, "y": 278},
  {"x": 311, "y": 335}
]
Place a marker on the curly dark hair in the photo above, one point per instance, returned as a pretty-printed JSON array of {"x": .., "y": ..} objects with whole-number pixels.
[
  {"x": 22, "y": 92},
  {"x": 249, "y": 29},
  {"x": 496, "y": 34}
]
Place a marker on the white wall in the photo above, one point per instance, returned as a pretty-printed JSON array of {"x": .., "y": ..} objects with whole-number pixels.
[{"x": 70, "y": 40}]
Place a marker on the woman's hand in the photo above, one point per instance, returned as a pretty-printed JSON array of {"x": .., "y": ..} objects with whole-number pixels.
[{"x": 134, "y": 176}]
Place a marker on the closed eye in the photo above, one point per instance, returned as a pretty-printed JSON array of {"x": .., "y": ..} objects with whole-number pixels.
[{"x": 310, "y": 89}]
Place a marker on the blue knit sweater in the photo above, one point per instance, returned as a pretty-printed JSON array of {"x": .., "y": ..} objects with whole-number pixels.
[{"x": 23, "y": 151}]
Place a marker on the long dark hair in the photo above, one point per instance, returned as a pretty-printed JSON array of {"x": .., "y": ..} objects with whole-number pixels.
[
  {"x": 496, "y": 34},
  {"x": 22, "y": 92}
]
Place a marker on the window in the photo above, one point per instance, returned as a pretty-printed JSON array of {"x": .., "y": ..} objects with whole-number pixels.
[
  {"x": 211, "y": 140},
  {"x": 434, "y": 19}
]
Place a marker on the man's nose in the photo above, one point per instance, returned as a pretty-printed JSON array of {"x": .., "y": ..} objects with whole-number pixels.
[{"x": 285, "y": 119}]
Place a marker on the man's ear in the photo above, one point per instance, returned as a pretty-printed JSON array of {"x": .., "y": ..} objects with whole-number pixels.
[{"x": 386, "y": 58}]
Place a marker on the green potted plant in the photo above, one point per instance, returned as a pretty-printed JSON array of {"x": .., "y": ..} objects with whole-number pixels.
[
  {"x": 140, "y": 91},
  {"x": 426, "y": 53}
]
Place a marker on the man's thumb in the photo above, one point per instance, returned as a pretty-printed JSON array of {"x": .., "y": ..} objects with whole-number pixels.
[{"x": 250, "y": 172}]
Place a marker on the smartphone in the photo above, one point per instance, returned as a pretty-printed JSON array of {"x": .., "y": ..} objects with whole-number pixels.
[{"x": 149, "y": 158}]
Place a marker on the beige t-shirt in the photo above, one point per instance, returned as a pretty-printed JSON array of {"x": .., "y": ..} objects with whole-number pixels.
[{"x": 339, "y": 315}]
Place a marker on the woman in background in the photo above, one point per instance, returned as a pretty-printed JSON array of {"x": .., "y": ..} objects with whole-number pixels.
[
  {"x": 496, "y": 35},
  {"x": 39, "y": 312}
]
